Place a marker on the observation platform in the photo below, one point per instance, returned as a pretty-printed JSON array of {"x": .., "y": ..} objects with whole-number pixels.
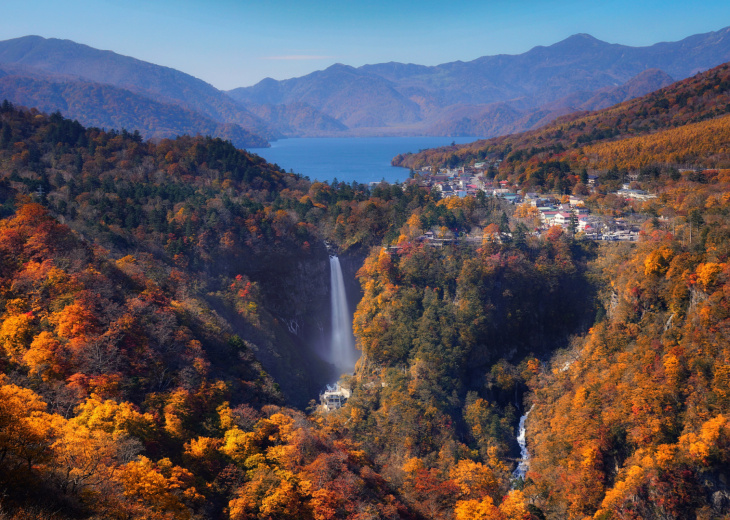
[{"x": 334, "y": 397}]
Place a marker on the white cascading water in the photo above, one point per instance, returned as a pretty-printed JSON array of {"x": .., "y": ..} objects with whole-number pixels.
[
  {"x": 521, "y": 470},
  {"x": 343, "y": 353}
]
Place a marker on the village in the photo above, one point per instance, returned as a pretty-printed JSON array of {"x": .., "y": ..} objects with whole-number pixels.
[{"x": 566, "y": 211}]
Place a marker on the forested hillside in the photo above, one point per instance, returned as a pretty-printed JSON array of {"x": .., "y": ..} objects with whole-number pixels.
[
  {"x": 632, "y": 421},
  {"x": 132, "y": 335},
  {"x": 158, "y": 101},
  {"x": 106, "y": 106},
  {"x": 158, "y": 302},
  {"x": 595, "y": 140},
  {"x": 160, "y": 306}
]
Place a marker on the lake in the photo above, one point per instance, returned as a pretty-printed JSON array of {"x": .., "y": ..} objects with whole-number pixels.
[{"x": 361, "y": 159}]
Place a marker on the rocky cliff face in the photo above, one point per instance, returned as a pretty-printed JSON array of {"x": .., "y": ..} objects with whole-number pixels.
[
  {"x": 351, "y": 263},
  {"x": 296, "y": 293}
]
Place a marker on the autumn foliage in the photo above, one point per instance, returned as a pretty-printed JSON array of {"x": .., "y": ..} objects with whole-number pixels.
[{"x": 153, "y": 297}]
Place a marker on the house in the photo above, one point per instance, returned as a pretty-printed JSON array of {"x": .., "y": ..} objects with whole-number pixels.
[
  {"x": 575, "y": 201},
  {"x": 334, "y": 397},
  {"x": 634, "y": 194},
  {"x": 588, "y": 224},
  {"x": 547, "y": 217},
  {"x": 562, "y": 219}
]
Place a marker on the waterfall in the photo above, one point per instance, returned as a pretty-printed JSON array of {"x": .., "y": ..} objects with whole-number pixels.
[
  {"x": 521, "y": 470},
  {"x": 343, "y": 353}
]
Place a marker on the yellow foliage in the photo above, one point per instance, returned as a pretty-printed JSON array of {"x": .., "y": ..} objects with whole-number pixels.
[
  {"x": 665, "y": 455},
  {"x": 161, "y": 487},
  {"x": 412, "y": 465},
  {"x": 175, "y": 410},
  {"x": 269, "y": 493},
  {"x": 202, "y": 447},
  {"x": 413, "y": 226},
  {"x": 26, "y": 430},
  {"x": 113, "y": 418},
  {"x": 677, "y": 145},
  {"x": 283, "y": 430},
  {"x": 74, "y": 320},
  {"x": 225, "y": 415},
  {"x": 705, "y": 446},
  {"x": 474, "y": 479},
  {"x": 721, "y": 382},
  {"x": 621, "y": 491},
  {"x": 42, "y": 358},
  {"x": 84, "y": 457},
  {"x": 490, "y": 233},
  {"x": 126, "y": 260},
  {"x": 590, "y": 455},
  {"x": 657, "y": 262},
  {"x": 239, "y": 445},
  {"x": 672, "y": 367},
  {"x": 477, "y": 510},
  {"x": 514, "y": 507},
  {"x": 16, "y": 333},
  {"x": 707, "y": 273},
  {"x": 527, "y": 211}
]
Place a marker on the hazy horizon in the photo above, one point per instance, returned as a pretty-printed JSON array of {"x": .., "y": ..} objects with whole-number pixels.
[{"x": 234, "y": 44}]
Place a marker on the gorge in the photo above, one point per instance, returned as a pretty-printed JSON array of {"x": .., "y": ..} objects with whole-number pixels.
[{"x": 161, "y": 303}]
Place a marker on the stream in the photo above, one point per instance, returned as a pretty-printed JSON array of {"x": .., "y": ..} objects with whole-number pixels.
[{"x": 524, "y": 464}]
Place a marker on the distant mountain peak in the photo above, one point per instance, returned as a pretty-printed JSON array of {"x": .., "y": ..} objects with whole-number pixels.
[
  {"x": 77, "y": 61},
  {"x": 584, "y": 36},
  {"x": 340, "y": 67},
  {"x": 580, "y": 39}
]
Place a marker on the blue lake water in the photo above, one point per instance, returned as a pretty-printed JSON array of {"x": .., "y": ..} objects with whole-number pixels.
[{"x": 361, "y": 159}]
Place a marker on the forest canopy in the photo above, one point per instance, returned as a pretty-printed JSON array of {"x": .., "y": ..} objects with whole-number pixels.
[{"x": 157, "y": 300}]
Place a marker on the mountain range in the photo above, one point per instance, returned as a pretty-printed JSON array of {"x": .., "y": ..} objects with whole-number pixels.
[
  {"x": 683, "y": 125},
  {"x": 493, "y": 95},
  {"x": 162, "y": 305},
  {"x": 489, "y": 96}
]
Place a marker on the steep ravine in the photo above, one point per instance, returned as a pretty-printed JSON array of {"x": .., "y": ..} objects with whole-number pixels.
[{"x": 296, "y": 294}]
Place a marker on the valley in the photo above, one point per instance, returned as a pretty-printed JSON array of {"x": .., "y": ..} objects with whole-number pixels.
[
  {"x": 172, "y": 307},
  {"x": 489, "y": 96}
]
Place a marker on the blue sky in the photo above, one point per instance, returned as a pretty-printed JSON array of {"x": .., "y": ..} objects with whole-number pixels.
[{"x": 233, "y": 43}]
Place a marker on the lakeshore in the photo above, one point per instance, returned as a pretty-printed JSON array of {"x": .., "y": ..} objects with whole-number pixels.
[{"x": 348, "y": 159}]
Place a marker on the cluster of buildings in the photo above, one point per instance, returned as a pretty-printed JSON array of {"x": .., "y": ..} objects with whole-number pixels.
[
  {"x": 464, "y": 181},
  {"x": 553, "y": 210},
  {"x": 571, "y": 214}
]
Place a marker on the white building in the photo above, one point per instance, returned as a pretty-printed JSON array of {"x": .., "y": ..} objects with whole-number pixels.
[{"x": 334, "y": 397}]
